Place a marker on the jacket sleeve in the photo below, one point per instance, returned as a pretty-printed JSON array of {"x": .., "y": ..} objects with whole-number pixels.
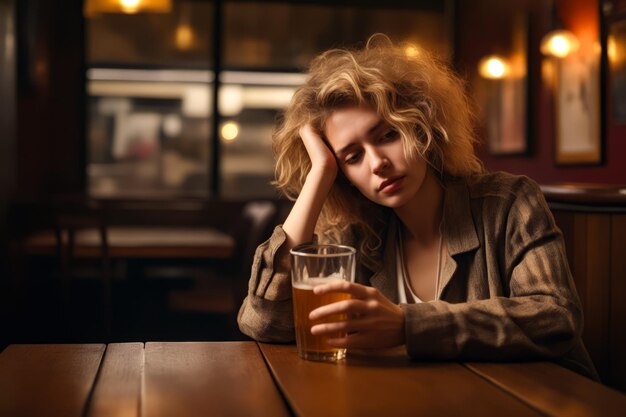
[
  {"x": 539, "y": 316},
  {"x": 266, "y": 313}
]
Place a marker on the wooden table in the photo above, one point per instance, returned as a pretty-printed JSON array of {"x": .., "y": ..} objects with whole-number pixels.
[
  {"x": 243, "y": 378},
  {"x": 141, "y": 242}
]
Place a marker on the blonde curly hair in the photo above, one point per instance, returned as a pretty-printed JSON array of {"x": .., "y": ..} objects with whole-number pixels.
[{"x": 418, "y": 96}]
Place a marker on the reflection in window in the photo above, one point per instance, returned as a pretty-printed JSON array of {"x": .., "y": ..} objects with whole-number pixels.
[
  {"x": 151, "y": 79},
  {"x": 290, "y": 34},
  {"x": 249, "y": 104},
  {"x": 149, "y": 93},
  {"x": 148, "y": 132}
]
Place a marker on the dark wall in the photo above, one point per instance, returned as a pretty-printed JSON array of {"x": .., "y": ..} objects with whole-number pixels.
[
  {"x": 51, "y": 98},
  {"x": 482, "y": 30},
  {"x": 7, "y": 119}
]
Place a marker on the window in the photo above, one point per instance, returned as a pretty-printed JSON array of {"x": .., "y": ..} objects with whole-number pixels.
[{"x": 151, "y": 79}]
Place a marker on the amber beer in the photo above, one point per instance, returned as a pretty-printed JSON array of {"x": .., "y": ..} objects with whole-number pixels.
[
  {"x": 311, "y": 346},
  {"x": 313, "y": 265}
]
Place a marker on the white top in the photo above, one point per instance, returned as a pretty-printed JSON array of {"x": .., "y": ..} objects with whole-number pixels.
[{"x": 404, "y": 287}]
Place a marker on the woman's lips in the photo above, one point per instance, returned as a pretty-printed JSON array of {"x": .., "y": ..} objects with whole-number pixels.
[{"x": 390, "y": 185}]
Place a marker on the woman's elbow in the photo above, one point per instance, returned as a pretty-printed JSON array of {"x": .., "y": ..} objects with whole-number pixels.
[
  {"x": 259, "y": 325},
  {"x": 566, "y": 329}
]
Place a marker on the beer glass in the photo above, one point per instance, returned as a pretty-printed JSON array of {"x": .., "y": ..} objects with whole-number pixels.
[{"x": 312, "y": 265}]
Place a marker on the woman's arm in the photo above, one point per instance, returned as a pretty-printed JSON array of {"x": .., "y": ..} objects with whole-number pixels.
[
  {"x": 300, "y": 224},
  {"x": 266, "y": 313},
  {"x": 539, "y": 314},
  {"x": 540, "y": 317}
]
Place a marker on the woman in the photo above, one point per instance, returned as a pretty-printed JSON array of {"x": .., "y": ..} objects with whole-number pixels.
[{"x": 376, "y": 149}]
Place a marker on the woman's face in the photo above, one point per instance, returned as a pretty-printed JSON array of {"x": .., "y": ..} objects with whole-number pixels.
[{"x": 371, "y": 156}]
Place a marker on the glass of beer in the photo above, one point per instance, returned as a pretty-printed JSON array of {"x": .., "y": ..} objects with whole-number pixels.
[{"x": 313, "y": 265}]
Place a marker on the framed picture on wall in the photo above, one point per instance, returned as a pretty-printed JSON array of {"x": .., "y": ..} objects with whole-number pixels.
[
  {"x": 578, "y": 94},
  {"x": 578, "y": 101},
  {"x": 504, "y": 90}
]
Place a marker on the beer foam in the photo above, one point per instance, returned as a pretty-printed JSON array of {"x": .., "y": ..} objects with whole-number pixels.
[{"x": 309, "y": 283}]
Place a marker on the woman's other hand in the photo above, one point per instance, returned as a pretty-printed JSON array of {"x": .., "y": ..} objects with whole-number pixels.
[
  {"x": 322, "y": 157},
  {"x": 373, "y": 321}
]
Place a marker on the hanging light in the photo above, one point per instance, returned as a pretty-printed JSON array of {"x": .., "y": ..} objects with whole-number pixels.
[
  {"x": 185, "y": 37},
  {"x": 130, "y": 6},
  {"x": 493, "y": 67},
  {"x": 96, "y": 7},
  {"x": 559, "y": 43}
]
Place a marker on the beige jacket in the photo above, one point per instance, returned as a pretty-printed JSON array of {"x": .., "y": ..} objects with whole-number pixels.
[{"x": 506, "y": 294}]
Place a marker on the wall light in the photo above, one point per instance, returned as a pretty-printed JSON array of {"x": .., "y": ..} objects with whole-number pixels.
[
  {"x": 559, "y": 43},
  {"x": 493, "y": 67}
]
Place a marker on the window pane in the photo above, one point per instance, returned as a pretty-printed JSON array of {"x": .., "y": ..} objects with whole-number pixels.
[
  {"x": 249, "y": 102},
  {"x": 275, "y": 37},
  {"x": 283, "y": 35},
  {"x": 149, "y": 102},
  {"x": 181, "y": 38},
  {"x": 150, "y": 82}
]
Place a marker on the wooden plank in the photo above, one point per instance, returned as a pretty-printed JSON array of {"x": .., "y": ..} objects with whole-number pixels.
[
  {"x": 47, "y": 380},
  {"x": 385, "y": 384},
  {"x": 566, "y": 221},
  {"x": 118, "y": 388},
  {"x": 208, "y": 379},
  {"x": 597, "y": 296},
  {"x": 553, "y": 390},
  {"x": 617, "y": 336},
  {"x": 580, "y": 259}
]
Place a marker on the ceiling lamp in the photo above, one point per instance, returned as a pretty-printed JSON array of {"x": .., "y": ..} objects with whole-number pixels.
[{"x": 96, "y": 7}]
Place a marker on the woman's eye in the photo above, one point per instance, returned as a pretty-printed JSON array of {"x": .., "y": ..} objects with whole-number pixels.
[
  {"x": 352, "y": 158},
  {"x": 389, "y": 135}
]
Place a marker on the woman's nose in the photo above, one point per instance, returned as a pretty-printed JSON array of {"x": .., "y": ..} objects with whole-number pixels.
[{"x": 379, "y": 163}]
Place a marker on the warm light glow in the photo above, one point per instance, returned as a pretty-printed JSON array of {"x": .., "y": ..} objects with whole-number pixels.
[
  {"x": 184, "y": 37},
  {"x": 93, "y": 8},
  {"x": 559, "y": 43},
  {"x": 411, "y": 51},
  {"x": 612, "y": 49},
  {"x": 493, "y": 67},
  {"x": 548, "y": 73},
  {"x": 230, "y": 131},
  {"x": 130, "y": 6},
  {"x": 230, "y": 100}
]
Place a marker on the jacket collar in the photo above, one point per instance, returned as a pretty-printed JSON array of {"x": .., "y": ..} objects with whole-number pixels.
[
  {"x": 459, "y": 233},
  {"x": 459, "y": 228}
]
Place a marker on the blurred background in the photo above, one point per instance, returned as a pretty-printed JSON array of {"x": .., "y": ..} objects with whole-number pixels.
[{"x": 136, "y": 161}]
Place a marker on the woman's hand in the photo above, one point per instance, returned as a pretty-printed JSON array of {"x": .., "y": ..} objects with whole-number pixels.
[
  {"x": 321, "y": 155},
  {"x": 300, "y": 224},
  {"x": 373, "y": 321}
]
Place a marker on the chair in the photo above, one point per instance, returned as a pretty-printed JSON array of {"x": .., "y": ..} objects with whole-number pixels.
[
  {"x": 81, "y": 233},
  {"x": 223, "y": 287},
  {"x": 257, "y": 221}
]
